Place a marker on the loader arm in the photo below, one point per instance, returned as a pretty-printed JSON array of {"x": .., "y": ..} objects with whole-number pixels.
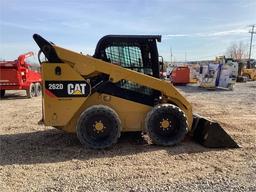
[{"x": 87, "y": 65}]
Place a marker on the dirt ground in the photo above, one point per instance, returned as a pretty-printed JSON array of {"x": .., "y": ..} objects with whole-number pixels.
[{"x": 38, "y": 158}]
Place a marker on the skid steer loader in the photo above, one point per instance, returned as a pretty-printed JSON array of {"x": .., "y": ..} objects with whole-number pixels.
[{"x": 116, "y": 90}]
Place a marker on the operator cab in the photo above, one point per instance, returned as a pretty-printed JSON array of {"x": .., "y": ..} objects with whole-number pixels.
[{"x": 135, "y": 52}]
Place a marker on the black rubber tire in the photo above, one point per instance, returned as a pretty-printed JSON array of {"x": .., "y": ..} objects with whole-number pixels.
[
  {"x": 91, "y": 138},
  {"x": 248, "y": 77},
  {"x": 31, "y": 91},
  {"x": 38, "y": 89},
  {"x": 176, "y": 131},
  {"x": 2, "y": 93}
]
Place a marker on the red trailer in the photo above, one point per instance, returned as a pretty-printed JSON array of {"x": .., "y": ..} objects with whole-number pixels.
[{"x": 19, "y": 75}]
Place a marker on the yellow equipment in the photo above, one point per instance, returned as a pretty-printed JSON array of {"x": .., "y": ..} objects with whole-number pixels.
[
  {"x": 118, "y": 90},
  {"x": 249, "y": 73}
]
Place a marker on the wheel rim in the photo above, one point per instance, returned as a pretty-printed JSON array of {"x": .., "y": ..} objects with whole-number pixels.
[
  {"x": 166, "y": 127},
  {"x": 98, "y": 129},
  {"x": 99, "y": 126},
  {"x": 165, "y": 124}
]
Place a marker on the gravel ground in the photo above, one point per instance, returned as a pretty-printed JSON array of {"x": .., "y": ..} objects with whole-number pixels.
[{"x": 38, "y": 158}]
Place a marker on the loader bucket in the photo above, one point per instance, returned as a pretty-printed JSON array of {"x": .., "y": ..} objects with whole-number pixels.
[{"x": 210, "y": 134}]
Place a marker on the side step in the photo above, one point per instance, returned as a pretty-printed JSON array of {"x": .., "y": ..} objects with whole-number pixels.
[{"x": 210, "y": 134}]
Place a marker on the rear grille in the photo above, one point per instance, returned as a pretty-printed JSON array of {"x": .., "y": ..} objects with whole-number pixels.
[{"x": 8, "y": 83}]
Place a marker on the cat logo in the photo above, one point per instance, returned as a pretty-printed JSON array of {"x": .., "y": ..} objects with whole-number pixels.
[{"x": 76, "y": 89}]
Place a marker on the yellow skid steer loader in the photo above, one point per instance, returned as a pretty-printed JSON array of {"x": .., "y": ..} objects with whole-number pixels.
[{"x": 116, "y": 90}]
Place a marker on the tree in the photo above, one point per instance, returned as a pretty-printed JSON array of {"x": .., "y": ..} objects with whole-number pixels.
[{"x": 237, "y": 51}]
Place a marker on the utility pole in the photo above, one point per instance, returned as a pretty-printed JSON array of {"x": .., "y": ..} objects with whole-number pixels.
[
  {"x": 185, "y": 56},
  {"x": 252, "y": 32},
  {"x": 171, "y": 54}
]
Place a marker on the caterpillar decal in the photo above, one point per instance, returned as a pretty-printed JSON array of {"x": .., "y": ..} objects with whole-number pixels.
[{"x": 68, "y": 88}]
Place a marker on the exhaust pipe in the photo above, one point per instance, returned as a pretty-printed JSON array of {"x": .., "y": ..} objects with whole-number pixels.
[{"x": 210, "y": 134}]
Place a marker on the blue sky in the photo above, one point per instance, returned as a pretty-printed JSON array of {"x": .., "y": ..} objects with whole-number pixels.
[{"x": 201, "y": 28}]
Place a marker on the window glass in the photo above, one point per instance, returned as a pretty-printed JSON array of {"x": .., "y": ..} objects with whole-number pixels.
[
  {"x": 33, "y": 63},
  {"x": 126, "y": 56},
  {"x": 129, "y": 57},
  {"x": 31, "y": 60}
]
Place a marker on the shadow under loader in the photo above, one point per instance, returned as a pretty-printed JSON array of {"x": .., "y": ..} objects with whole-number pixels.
[{"x": 53, "y": 146}]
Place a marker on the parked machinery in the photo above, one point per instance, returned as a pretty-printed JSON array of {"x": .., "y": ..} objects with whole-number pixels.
[
  {"x": 20, "y": 75},
  {"x": 223, "y": 73},
  {"x": 119, "y": 90},
  {"x": 250, "y": 70}
]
